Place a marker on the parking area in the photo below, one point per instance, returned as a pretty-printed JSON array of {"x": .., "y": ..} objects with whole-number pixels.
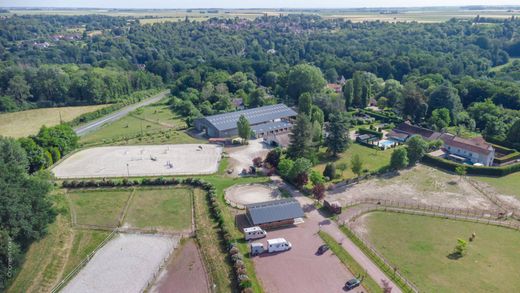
[
  {"x": 241, "y": 157},
  {"x": 301, "y": 269},
  {"x": 145, "y": 160}
]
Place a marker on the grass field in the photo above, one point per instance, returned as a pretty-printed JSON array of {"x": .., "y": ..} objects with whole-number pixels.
[
  {"x": 508, "y": 185},
  {"x": 99, "y": 207},
  {"x": 373, "y": 159},
  {"x": 166, "y": 208},
  {"x": 500, "y": 67},
  {"x": 153, "y": 124},
  {"x": 56, "y": 254},
  {"x": 419, "y": 247},
  {"x": 25, "y": 123}
]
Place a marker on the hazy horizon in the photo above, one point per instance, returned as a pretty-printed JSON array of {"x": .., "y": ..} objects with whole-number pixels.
[{"x": 230, "y": 4}]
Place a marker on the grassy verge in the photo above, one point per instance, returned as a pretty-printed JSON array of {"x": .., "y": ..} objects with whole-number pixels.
[
  {"x": 221, "y": 183},
  {"x": 508, "y": 185},
  {"x": 99, "y": 207},
  {"x": 349, "y": 262},
  {"x": 211, "y": 244},
  {"x": 57, "y": 254},
  {"x": 382, "y": 265}
]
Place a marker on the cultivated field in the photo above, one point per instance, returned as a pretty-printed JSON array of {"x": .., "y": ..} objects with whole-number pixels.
[
  {"x": 165, "y": 208},
  {"x": 419, "y": 15},
  {"x": 421, "y": 185},
  {"x": 419, "y": 246},
  {"x": 146, "y": 160},
  {"x": 25, "y": 123},
  {"x": 127, "y": 263}
]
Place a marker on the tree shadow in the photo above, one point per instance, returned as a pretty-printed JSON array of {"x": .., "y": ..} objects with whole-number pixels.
[{"x": 454, "y": 256}]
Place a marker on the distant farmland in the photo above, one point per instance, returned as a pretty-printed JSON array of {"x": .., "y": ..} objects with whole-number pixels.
[{"x": 25, "y": 123}]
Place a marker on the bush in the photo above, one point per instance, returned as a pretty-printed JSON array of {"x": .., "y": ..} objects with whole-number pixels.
[{"x": 330, "y": 170}]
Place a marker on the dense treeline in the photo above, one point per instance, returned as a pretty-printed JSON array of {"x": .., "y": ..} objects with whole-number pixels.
[
  {"x": 59, "y": 85},
  {"x": 25, "y": 209}
]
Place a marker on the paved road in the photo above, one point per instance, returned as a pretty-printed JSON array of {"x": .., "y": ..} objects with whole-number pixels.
[
  {"x": 93, "y": 125},
  {"x": 333, "y": 230}
]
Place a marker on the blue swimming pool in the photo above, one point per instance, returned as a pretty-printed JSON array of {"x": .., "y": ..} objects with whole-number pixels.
[{"x": 386, "y": 143}]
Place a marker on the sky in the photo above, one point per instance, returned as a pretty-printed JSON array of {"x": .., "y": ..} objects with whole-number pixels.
[{"x": 248, "y": 3}]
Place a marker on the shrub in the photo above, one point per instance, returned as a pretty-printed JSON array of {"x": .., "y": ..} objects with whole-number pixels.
[
  {"x": 330, "y": 170},
  {"x": 370, "y": 131}
]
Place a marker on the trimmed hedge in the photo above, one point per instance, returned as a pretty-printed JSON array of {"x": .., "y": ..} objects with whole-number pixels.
[
  {"x": 503, "y": 143},
  {"x": 384, "y": 116},
  {"x": 474, "y": 170},
  {"x": 234, "y": 256},
  {"x": 370, "y": 131}
]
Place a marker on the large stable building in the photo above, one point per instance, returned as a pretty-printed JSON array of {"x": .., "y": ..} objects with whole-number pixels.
[{"x": 264, "y": 120}]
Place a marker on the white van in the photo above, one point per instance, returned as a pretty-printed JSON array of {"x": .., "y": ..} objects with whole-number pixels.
[
  {"x": 254, "y": 233},
  {"x": 278, "y": 244}
]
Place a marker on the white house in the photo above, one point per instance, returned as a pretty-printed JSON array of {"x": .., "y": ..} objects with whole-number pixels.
[{"x": 475, "y": 150}]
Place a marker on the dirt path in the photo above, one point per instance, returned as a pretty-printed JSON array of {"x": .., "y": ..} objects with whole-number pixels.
[
  {"x": 184, "y": 273},
  {"x": 333, "y": 230},
  {"x": 241, "y": 157}
]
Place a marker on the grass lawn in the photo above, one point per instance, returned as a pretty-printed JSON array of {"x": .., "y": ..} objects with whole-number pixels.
[
  {"x": 373, "y": 159},
  {"x": 168, "y": 208},
  {"x": 25, "y": 123},
  {"x": 508, "y": 185},
  {"x": 50, "y": 259},
  {"x": 419, "y": 246},
  {"x": 99, "y": 207},
  {"x": 153, "y": 124}
]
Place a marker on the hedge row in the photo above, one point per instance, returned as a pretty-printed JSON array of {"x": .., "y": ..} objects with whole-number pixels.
[
  {"x": 236, "y": 259},
  {"x": 503, "y": 143},
  {"x": 508, "y": 158},
  {"x": 370, "y": 131},
  {"x": 385, "y": 117},
  {"x": 474, "y": 170}
]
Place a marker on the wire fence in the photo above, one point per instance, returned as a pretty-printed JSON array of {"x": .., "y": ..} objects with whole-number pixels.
[
  {"x": 490, "y": 194},
  {"x": 84, "y": 262}
]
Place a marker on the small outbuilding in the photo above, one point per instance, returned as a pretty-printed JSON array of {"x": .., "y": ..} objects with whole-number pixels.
[{"x": 274, "y": 214}]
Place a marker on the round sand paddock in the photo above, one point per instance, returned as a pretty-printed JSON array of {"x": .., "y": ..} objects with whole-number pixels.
[
  {"x": 241, "y": 195},
  {"x": 145, "y": 160}
]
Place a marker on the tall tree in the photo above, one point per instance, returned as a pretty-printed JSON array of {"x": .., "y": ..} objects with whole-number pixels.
[
  {"x": 440, "y": 118},
  {"x": 348, "y": 94},
  {"x": 356, "y": 164},
  {"x": 304, "y": 78},
  {"x": 399, "y": 159},
  {"x": 514, "y": 132},
  {"x": 338, "y": 139},
  {"x": 19, "y": 89},
  {"x": 244, "y": 129},
  {"x": 357, "y": 84},
  {"x": 416, "y": 148},
  {"x": 445, "y": 96},
  {"x": 305, "y": 104},
  {"x": 301, "y": 138}
]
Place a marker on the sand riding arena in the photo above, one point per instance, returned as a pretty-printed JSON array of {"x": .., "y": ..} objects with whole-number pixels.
[
  {"x": 241, "y": 195},
  {"x": 145, "y": 160}
]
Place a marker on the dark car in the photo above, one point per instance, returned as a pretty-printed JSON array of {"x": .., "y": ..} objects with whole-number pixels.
[
  {"x": 351, "y": 284},
  {"x": 322, "y": 249}
]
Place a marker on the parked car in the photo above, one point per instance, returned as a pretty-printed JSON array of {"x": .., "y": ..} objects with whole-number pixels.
[
  {"x": 322, "y": 249},
  {"x": 278, "y": 244},
  {"x": 254, "y": 233},
  {"x": 351, "y": 284}
]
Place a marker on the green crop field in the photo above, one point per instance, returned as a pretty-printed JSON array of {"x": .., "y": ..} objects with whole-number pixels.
[
  {"x": 166, "y": 208},
  {"x": 508, "y": 185},
  {"x": 25, "y": 123},
  {"x": 373, "y": 159},
  {"x": 419, "y": 246},
  {"x": 99, "y": 207},
  {"x": 153, "y": 124}
]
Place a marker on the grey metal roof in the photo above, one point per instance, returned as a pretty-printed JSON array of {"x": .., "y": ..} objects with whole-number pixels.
[
  {"x": 275, "y": 210},
  {"x": 270, "y": 126},
  {"x": 254, "y": 116}
]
